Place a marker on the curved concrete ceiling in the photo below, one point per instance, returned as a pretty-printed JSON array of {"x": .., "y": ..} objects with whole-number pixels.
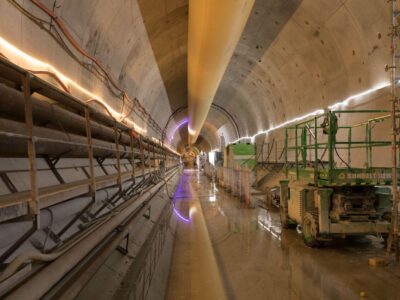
[
  {"x": 293, "y": 57},
  {"x": 288, "y": 64}
]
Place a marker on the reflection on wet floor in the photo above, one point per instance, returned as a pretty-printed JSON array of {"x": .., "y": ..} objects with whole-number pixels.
[{"x": 257, "y": 260}]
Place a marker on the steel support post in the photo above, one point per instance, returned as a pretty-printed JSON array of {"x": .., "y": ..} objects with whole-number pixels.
[
  {"x": 349, "y": 146},
  {"x": 92, "y": 176},
  {"x": 262, "y": 151},
  {"x": 117, "y": 155},
  {"x": 33, "y": 204},
  {"x": 331, "y": 145},
  {"x": 315, "y": 151},
  {"x": 132, "y": 158},
  {"x": 297, "y": 154},
  {"x": 142, "y": 156},
  {"x": 90, "y": 154},
  {"x": 393, "y": 236},
  {"x": 154, "y": 158},
  {"x": 286, "y": 152}
]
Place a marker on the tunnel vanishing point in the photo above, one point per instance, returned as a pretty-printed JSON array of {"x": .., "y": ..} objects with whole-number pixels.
[{"x": 199, "y": 149}]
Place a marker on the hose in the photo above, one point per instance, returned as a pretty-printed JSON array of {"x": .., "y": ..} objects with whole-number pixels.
[
  {"x": 103, "y": 73},
  {"x": 78, "y": 47},
  {"x": 21, "y": 259},
  {"x": 49, "y": 227},
  {"x": 343, "y": 161}
]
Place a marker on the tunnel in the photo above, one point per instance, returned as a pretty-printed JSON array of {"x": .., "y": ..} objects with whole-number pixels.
[{"x": 199, "y": 149}]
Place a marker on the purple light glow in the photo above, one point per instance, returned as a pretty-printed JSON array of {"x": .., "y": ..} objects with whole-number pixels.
[
  {"x": 178, "y": 214},
  {"x": 179, "y": 125},
  {"x": 182, "y": 192}
]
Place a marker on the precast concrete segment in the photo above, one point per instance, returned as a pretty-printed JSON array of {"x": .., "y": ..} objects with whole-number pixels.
[
  {"x": 194, "y": 272},
  {"x": 294, "y": 56},
  {"x": 214, "y": 31},
  {"x": 64, "y": 260},
  {"x": 109, "y": 31}
]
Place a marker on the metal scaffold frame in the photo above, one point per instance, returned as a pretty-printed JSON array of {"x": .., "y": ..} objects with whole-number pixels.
[
  {"x": 394, "y": 234},
  {"x": 92, "y": 135},
  {"x": 309, "y": 142}
]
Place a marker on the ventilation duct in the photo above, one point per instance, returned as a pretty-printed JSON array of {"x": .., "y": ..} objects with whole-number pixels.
[{"x": 215, "y": 28}]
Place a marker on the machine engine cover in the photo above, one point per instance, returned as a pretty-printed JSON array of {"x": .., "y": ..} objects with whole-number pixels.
[{"x": 354, "y": 205}]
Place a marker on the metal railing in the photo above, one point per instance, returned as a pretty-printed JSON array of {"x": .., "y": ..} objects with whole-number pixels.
[
  {"x": 78, "y": 131},
  {"x": 236, "y": 181},
  {"x": 322, "y": 146}
]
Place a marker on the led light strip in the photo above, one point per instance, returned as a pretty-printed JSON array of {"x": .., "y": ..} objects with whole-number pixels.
[
  {"x": 28, "y": 62},
  {"x": 317, "y": 112}
]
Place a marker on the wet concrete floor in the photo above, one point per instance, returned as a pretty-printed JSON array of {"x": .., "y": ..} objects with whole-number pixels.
[{"x": 223, "y": 247}]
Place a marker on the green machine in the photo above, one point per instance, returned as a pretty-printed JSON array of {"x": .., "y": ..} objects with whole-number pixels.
[
  {"x": 240, "y": 155},
  {"x": 331, "y": 186}
]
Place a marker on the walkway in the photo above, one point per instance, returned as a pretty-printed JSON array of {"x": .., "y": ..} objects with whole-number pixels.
[{"x": 222, "y": 247}]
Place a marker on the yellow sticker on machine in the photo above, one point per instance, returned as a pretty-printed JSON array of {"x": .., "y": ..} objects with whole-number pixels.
[{"x": 369, "y": 176}]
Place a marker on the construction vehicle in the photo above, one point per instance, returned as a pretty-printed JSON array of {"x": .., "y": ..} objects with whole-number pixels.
[{"x": 345, "y": 193}]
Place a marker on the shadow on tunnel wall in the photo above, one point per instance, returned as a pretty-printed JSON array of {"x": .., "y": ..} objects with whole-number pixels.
[{"x": 166, "y": 23}]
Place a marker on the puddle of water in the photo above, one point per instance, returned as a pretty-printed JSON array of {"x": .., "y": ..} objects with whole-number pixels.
[{"x": 256, "y": 266}]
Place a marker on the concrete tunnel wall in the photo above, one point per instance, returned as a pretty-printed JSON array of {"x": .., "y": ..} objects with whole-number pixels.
[
  {"x": 294, "y": 56},
  {"x": 111, "y": 31}
]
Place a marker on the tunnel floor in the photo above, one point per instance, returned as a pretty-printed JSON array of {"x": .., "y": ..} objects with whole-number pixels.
[{"x": 223, "y": 247}]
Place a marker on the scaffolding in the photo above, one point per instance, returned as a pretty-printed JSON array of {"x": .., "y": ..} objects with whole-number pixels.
[
  {"x": 236, "y": 181},
  {"x": 325, "y": 153},
  {"x": 394, "y": 234},
  {"x": 112, "y": 165}
]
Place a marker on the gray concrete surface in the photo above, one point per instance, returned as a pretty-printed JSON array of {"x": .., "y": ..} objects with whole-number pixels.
[
  {"x": 294, "y": 56},
  {"x": 257, "y": 260}
]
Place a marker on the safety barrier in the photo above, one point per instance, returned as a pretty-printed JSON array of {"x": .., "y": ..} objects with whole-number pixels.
[{"x": 236, "y": 181}]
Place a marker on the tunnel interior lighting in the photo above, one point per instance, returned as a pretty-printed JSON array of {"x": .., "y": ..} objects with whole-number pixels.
[
  {"x": 360, "y": 97},
  {"x": 26, "y": 61}
]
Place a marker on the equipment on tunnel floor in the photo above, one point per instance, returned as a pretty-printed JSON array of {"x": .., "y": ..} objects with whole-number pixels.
[
  {"x": 349, "y": 193},
  {"x": 240, "y": 155},
  {"x": 273, "y": 197}
]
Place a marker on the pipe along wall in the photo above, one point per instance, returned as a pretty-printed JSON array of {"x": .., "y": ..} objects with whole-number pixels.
[{"x": 92, "y": 176}]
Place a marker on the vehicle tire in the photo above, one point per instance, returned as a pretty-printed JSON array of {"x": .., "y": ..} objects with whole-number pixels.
[{"x": 310, "y": 231}]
